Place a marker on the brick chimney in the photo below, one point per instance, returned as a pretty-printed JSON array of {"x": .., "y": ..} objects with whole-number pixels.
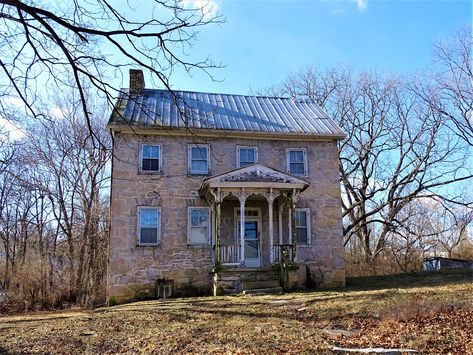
[{"x": 137, "y": 82}]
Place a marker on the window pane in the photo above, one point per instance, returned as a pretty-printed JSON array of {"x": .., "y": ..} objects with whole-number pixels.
[
  {"x": 149, "y": 236},
  {"x": 301, "y": 218},
  {"x": 296, "y": 168},
  {"x": 199, "y": 235},
  {"x": 199, "y": 217},
  {"x": 199, "y": 166},
  {"x": 199, "y": 153},
  {"x": 247, "y": 156},
  {"x": 151, "y": 151},
  {"x": 150, "y": 165},
  {"x": 149, "y": 217},
  {"x": 301, "y": 235},
  {"x": 296, "y": 156}
]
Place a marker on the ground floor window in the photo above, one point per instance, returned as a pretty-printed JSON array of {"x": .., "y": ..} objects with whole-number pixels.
[
  {"x": 149, "y": 225},
  {"x": 199, "y": 225},
  {"x": 302, "y": 217}
]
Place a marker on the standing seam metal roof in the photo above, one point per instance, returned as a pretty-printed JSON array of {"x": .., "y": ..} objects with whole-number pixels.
[{"x": 223, "y": 112}]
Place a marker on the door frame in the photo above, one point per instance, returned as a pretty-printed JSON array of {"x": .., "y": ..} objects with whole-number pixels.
[{"x": 257, "y": 218}]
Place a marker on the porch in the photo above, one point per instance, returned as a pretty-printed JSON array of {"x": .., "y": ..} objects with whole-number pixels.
[{"x": 253, "y": 217}]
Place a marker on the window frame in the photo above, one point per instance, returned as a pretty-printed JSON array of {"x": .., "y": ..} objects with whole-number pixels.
[
  {"x": 158, "y": 226},
  {"x": 239, "y": 148},
  {"x": 189, "y": 226},
  {"x": 307, "y": 227},
  {"x": 160, "y": 159},
  {"x": 189, "y": 159},
  {"x": 288, "y": 162}
]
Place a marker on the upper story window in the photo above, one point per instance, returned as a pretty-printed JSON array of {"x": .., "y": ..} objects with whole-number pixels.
[
  {"x": 199, "y": 225},
  {"x": 297, "y": 161},
  {"x": 151, "y": 158},
  {"x": 149, "y": 225},
  {"x": 199, "y": 159},
  {"x": 302, "y": 217},
  {"x": 246, "y": 156}
]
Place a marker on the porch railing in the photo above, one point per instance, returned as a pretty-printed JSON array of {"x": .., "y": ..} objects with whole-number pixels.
[
  {"x": 230, "y": 254},
  {"x": 283, "y": 252}
]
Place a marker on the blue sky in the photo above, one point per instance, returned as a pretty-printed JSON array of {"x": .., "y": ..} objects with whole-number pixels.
[{"x": 263, "y": 41}]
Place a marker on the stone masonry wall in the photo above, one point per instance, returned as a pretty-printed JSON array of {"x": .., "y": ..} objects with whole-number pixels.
[{"x": 133, "y": 269}]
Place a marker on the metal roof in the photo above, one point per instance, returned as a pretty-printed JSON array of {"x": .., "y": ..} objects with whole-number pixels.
[{"x": 185, "y": 109}]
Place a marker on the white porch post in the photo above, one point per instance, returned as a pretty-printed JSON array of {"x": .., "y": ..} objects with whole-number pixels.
[
  {"x": 242, "y": 197},
  {"x": 293, "y": 224},
  {"x": 290, "y": 223},
  {"x": 270, "y": 226},
  {"x": 280, "y": 206},
  {"x": 217, "y": 204}
]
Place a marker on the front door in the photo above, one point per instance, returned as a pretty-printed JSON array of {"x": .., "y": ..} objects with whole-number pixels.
[{"x": 251, "y": 245}]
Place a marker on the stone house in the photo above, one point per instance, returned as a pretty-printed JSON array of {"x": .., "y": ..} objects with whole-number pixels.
[{"x": 217, "y": 193}]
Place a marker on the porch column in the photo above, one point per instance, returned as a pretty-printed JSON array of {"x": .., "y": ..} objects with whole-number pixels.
[
  {"x": 280, "y": 208},
  {"x": 270, "y": 198},
  {"x": 217, "y": 203},
  {"x": 293, "y": 224},
  {"x": 242, "y": 197},
  {"x": 289, "y": 220}
]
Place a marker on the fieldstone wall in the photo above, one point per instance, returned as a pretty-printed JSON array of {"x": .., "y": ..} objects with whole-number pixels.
[{"x": 133, "y": 269}]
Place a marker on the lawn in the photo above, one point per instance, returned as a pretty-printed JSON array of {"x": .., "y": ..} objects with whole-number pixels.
[{"x": 432, "y": 313}]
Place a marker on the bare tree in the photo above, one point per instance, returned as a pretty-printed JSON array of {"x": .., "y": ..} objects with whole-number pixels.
[
  {"x": 88, "y": 41},
  {"x": 450, "y": 91},
  {"x": 398, "y": 149},
  {"x": 54, "y": 204}
]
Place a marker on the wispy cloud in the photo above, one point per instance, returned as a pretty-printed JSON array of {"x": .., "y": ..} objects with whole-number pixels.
[
  {"x": 361, "y": 5},
  {"x": 209, "y": 8}
]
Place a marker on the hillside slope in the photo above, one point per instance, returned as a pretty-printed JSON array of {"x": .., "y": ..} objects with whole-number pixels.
[{"x": 427, "y": 312}]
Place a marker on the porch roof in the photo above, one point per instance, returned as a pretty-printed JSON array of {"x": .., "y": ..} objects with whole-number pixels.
[{"x": 254, "y": 176}]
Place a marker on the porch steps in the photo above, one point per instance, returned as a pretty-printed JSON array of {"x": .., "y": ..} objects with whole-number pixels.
[
  {"x": 262, "y": 284},
  {"x": 248, "y": 281},
  {"x": 263, "y": 291}
]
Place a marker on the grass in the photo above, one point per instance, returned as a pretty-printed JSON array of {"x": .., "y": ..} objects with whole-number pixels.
[{"x": 431, "y": 313}]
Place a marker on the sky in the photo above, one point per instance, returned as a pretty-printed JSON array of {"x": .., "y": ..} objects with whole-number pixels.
[{"x": 263, "y": 41}]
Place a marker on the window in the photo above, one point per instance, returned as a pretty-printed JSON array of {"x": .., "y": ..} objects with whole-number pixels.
[
  {"x": 150, "y": 158},
  {"x": 249, "y": 212},
  {"x": 296, "y": 162},
  {"x": 246, "y": 156},
  {"x": 199, "y": 225},
  {"x": 199, "y": 159},
  {"x": 149, "y": 223},
  {"x": 302, "y": 217}
]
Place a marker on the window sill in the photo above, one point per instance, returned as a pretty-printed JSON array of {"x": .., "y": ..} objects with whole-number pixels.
[
  {"x": 142, "y": 172},
  {"x": 148, "y": 245},
  {"x": 198, "y": 174},
  {"x": 303, "y": 245},
  {"x": 198, "y": 246}
]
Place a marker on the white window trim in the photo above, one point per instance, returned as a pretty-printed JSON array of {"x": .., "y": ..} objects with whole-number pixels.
[
  {"x": 288, "y": 165},
  {"x": 138, "y": 224},
  {"x": 307, "y": 211},
  {"x": 189, "y": 159},
  {"x": 189, "y": 226},
  {"x": 245, "y": 147},
  {"x": 160, "y": 162}
]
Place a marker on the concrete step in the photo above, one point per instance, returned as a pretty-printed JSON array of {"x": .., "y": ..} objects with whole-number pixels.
[
  {"x": 263, "y": 291},
  {"x": 251, "y": 285},
  {"x": 260, "y": 276}
]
